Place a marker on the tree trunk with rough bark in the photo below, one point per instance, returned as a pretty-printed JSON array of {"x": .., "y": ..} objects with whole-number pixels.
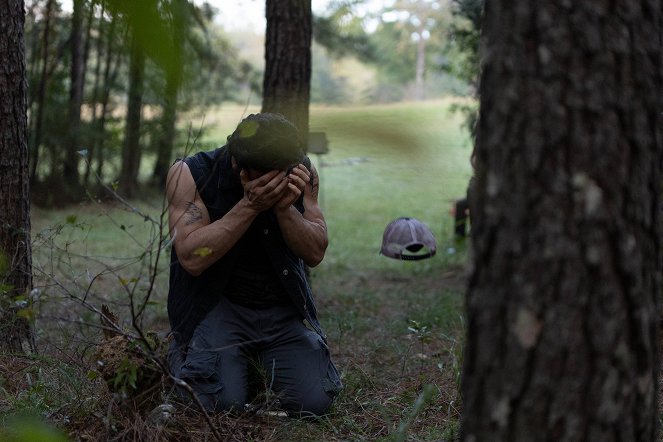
[
  {"x": 287, "y": 80},
  {"x": 562, "y": 307},
  {"x": 15, "y": 252}
]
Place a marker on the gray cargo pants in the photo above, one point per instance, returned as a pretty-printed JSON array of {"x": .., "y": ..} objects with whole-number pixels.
[{"x": 232, "y": 340}]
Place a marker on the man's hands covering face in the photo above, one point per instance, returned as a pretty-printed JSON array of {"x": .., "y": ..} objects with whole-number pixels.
[
  {"x": 263, "y": 192},
  {"x": 297, "y": 180},
  {"x": 274, "y": 188}
]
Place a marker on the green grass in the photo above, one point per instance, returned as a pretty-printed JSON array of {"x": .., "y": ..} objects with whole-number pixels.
[
  {"x": 399, "y": 160},
  {"x": 394, "y": 327}
]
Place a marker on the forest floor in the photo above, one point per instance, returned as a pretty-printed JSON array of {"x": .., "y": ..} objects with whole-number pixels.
[{"x": 396, "y": 339}]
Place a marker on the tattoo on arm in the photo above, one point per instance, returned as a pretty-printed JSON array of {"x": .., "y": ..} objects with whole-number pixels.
[
  {"x": 314, "y": 183},
  {"x": 193, "y": 214}
]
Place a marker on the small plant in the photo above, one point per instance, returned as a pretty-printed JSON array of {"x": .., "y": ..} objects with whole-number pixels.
[
  {"x": 423, "y": 335},
  {"x": 126, "y": 376}
]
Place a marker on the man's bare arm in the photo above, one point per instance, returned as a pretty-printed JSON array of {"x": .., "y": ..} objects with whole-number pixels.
[
  {"x": 192, "y": 214},
  {"x": 305, "y": 234},
  {"x": 198, "y": 242}
]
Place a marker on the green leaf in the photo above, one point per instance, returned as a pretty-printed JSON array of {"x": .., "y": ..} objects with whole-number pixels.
[
  {"x": 125, "y": 281},
  {"x": 133, "y": 376},
  {"x": 203, "y": 252},
  {"x": 92, "y": 375},
  {"x": 26, "y": 313},
  {"x": 29, "y": 428},
  {"x": 71, "y": 219},
  {"x": 248, "y": 129}
]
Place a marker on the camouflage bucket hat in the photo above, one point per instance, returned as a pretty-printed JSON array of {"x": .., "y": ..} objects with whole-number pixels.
[{"x": 408, "y": 239}]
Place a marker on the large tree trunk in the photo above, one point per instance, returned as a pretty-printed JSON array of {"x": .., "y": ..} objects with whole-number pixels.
[
  {"x": 131, "y": 153},
  {"x": 287, "y": 81},
  {"x": 15, "y": 251},
  {"x": 562, "y": 304}
]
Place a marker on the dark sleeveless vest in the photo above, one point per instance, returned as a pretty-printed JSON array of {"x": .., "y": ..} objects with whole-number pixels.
[{"x": 190, "y": 298}]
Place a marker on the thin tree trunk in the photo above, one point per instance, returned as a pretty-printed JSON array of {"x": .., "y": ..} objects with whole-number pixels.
[
  {"x": 178, "y": 23},
  {"x": 110, "y": 73},
  {"x": 88, "y": 40},
  {"x": 167, "y": 134},
  {"x": 131, "y": 153},
  {"x": 287, "y": 80},
  {"x": 77, "y": 80},
  {"x": 32, "y": 58},
  {"x": 562, "y": 308},
  {"x": 95, "y": 93},
  {"x": 41, "y": 92},
  {"x": 420, "y": 66},
  {"x": 15, "y": 252},
  {"x": 34, "y": 68}
]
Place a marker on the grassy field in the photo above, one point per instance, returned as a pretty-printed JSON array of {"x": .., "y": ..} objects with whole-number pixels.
[{"x": 395, "y": 327}]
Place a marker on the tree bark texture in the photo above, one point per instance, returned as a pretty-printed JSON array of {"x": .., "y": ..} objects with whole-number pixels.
[
  {"x": 562, "y": 306},
  {"x": 15, "y": 251},
  {"x": 287, "y": 80}
]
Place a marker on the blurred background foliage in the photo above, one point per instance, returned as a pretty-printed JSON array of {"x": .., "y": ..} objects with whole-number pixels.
[{"x": 133, "y": 76}]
